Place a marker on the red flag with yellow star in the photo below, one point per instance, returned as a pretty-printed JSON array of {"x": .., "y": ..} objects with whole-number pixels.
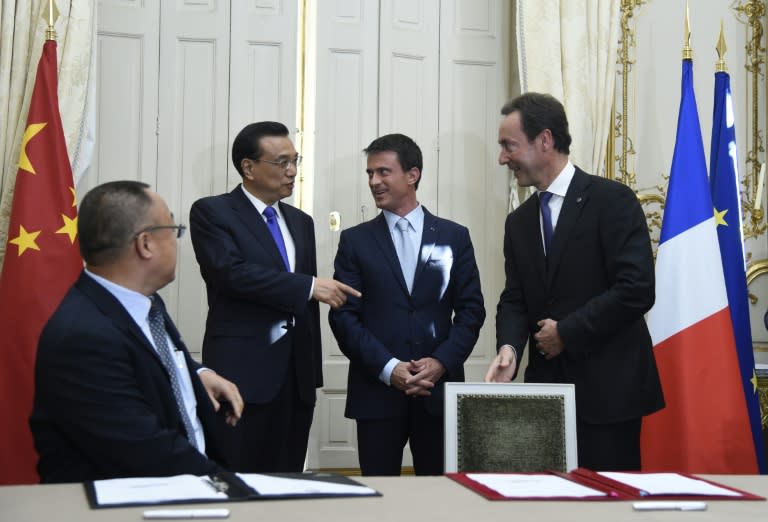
[{"x": 42, "y": 260}]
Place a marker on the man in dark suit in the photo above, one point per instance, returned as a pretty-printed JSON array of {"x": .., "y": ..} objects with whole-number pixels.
[
  {"x": 579, "y": 278},
  {"x": 113, "y": 397},
  {"x": 418, "y": 319},
  {"x": 257, "y": 257}
]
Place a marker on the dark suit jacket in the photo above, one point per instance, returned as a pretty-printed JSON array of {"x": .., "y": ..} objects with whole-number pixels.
[
  {"x": 441, "y": 318},
  {"x": 251, "y": 297},
  {"x": 597, "y": 283},
  {"x": 103, "y": 404}
]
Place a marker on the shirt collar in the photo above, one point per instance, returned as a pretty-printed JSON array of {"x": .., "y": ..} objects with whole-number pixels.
[
  {"x": 560, "y": 185},
  {"x": 415, "y": 217},
  {"x": 260, "y": 205},
  {"x": 137, "y": 305}
]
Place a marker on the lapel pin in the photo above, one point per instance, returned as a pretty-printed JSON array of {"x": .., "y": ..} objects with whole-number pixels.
[{"x": 578, "y": 200}]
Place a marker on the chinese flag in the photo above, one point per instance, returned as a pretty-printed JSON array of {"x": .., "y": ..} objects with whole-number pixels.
[{"x": 42, "y": 260}]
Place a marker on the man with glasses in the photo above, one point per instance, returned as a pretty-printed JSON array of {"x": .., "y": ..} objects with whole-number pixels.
[
  {"x": 257, "y": 257},
  {"x": 116, "y": 392}
]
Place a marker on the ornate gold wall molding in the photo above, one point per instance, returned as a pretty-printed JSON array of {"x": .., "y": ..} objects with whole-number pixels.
[
  {"x": 621, "y": 147},
  {"x": 755, "y": 270},
  {"x": 621, "y": 118},
  {"x": 618, "y": 160},
  {"x": 752, "y": 13}
]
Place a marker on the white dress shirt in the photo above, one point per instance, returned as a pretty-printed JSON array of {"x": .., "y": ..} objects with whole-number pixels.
[
  {"x": 137, "y": 305},
  {"x": 416, "y": 220}
]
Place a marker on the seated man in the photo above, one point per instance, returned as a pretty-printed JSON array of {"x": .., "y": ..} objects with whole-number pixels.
[{"x": 116, "y": 392}]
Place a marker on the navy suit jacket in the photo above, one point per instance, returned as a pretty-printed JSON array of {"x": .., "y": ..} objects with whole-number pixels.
[
  {"x": 104, "y": 406},
  {"x": 441, "y": 318},
  {"x": 258, "y": 312},
  {"x": 598, "y": 282}
]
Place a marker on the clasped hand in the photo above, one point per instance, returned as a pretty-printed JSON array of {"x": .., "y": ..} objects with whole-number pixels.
[
  {"x": 548, "y": 341},
  {"x": 417, "y": 378}
]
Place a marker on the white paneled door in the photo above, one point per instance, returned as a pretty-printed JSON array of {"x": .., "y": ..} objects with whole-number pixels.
[
  {"x": 345, "y": 120},
  {"x": 128, "y": 41},
  {"x": 474, "y": 71},
  {"x": 263, "y": 65},
  {"x": 409, "y": 86},
  {"x": 178, "y": 79},
  {"x": 439, "y": 75},
  {"x": 192, "y": 144}
]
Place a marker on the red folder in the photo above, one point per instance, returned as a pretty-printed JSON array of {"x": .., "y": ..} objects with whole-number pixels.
[{"x": 611, "y": 489}]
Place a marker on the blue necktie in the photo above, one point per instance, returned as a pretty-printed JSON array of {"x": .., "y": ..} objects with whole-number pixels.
[
  {"x": 546, "y": 219},
  {"x": 157, "y": 328},
  {"x": 277, "y": 235},
  {"x": 405, "y": 252}
]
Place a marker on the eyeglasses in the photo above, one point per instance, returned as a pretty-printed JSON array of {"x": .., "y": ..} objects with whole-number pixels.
[
  {"x": 283, "y": 163},
  {"x": 180, "y": 229}
]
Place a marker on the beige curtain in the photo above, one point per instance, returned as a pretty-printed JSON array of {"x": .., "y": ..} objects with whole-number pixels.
[
  {"x": 22, "y": 34},
  {"x": 568, "y": 48}
]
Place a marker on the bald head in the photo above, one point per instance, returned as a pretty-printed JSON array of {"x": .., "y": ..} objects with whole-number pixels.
[
  {"x": 108, "y": 217},
  {"x": 128, "y": 235}
]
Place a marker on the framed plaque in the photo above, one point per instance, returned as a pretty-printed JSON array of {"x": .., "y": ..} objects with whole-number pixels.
[{"x": 521, "y": 428}]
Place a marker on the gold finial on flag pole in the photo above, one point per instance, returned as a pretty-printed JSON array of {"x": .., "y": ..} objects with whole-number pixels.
[
  {"x": 721, "y": 49},
  {"x": 51, "y": 15},
  {"x": 687, "y": 49}
]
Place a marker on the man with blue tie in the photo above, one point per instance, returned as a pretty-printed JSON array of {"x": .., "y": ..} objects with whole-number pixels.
[
  {"x": 418, "y": 318},
  {"x": 257, "y": 257},
  {"x": 579, "y": 278}
]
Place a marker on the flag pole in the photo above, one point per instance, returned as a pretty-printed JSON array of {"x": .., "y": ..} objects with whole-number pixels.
[
  {"x": 687, "y": 49},
  {"x": 42, "y": 233},
  {"x": 721, "y": 49},
  {"x": 51, "y": 15}
]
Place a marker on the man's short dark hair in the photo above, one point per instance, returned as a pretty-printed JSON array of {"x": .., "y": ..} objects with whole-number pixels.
[
  {"x": 247, "y": 143},
  {"x": 539, "y": 112},
  {"x": 408, "y": 153},
  {"x": 108, "y": 217}
]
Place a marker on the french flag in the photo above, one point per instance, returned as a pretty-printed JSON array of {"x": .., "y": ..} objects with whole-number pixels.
[{"x": 705, "y": 427}]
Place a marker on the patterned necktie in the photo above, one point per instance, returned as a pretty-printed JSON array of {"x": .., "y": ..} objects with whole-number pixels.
[
  {"x": 405, "y": 252},
  {"x": 546, "y": 219},
  {"x": 277, "y": 235},
  {"x": 157, "y": 328}
]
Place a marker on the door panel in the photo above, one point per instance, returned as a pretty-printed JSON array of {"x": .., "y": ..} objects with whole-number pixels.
[
  {"x": 474, "y": 59},
  {"x": 409, "y": 86},
  {"x": 345, "y": 80},
  {"x": 192, "y": 137},
  {"x": 127, "y": 85},
  {"x": 263, "y": 66}
]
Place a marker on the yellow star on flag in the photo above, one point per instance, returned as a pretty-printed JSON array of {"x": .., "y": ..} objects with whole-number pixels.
[
  {"x": 74, "y": 196},
  {"x": 32, "y": 130},
  {"x": 753, "y": 380},
  {"x": 720, "y": 217},
  {"x": 69, "y": 228},
  {"x": 25, "y": 240}
]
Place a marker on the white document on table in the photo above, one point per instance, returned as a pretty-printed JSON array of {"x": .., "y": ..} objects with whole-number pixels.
[
  {"x": 669, "y": 484},
  {"x": 531, "y": 486},
  {"x": 150, "y": 490},
  {"x": 271, "y": 485}
]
